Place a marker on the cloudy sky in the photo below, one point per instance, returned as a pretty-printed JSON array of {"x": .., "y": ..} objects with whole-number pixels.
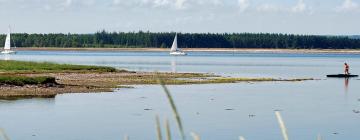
[{"x": 321, "y": 17}]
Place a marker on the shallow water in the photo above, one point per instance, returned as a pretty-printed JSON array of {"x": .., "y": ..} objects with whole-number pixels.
[{"x": 217, "y": 111}]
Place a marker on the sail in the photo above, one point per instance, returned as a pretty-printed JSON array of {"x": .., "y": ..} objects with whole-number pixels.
[
  {"x": 174, "y": 46},
  {"x": 7, "y": 41}
]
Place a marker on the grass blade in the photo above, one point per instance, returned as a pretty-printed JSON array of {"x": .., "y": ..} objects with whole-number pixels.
[
  {"x": 319, "y": 137},
  {"x": 167, "y": 128},
  {"x": 173, "y": 107},
  {"x": 282, "y": 125},
  {"x": 195, "y": 136},
  {"x": 158, "y": 128},
  {"x": 3, "y": 134}
]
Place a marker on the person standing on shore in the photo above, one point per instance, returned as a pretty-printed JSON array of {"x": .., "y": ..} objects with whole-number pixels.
[{"x": 347, "y": 67}]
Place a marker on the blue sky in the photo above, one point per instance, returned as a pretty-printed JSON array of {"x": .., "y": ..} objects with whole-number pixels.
[{"x": 320, "y": 17}]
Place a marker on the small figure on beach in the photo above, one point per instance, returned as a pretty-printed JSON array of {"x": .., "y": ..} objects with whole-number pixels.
[{"x": 347, "y": 67}]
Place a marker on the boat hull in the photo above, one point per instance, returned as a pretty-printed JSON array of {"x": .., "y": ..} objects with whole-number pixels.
[
  {"x": 342, "y": 75},
  {"x": 8, "y": 52},
  {"x": 178, "y": 53}
]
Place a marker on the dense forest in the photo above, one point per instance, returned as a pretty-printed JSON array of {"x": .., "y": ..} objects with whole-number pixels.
[{"x": 185, "y": 40}]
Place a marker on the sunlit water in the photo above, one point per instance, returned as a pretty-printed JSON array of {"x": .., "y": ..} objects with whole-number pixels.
[{"x": 217, "y": 111}]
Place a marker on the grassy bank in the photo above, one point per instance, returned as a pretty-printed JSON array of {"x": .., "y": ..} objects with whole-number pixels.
[{"x": 23, "y": 66}]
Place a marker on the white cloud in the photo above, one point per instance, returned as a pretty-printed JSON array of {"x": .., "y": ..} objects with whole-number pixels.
[
  {"x": 180, "y": 4},
  {"x": 47, "y": 7},
  {"x": 176, "y": 4},
  {"x": 67, "y": 3},
  {"x": 243, "y": 5},
  {"x": 130, "y": 3},
  {"x": 217, "y": 2},
  {"x": 61, "y": 5},
  {"x": 347, "y": 6},
  {"x": 161, "y": 2},
  {"x": 300, "y": 7},
  {"x": 116, "y": 2},
  {"x": 89, "y": 2},
  {"x": 268, "y": 8},
  {"x": 205, "y": 3}
]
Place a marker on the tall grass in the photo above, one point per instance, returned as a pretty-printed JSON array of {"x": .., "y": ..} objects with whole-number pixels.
[
  {"x": 158, "y": 128},
  {"x": 282, "y": 125},
  {"x": 173, "y": 107},
  {"x": 167, "y": 129},
  {"x": 3, "y": 134},
  {"x": 195, "y": 136},
  {"x": 241, "y": 138},
  {"x": 319, "y": 137}
]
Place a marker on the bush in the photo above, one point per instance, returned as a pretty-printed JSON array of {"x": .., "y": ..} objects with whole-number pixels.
[{"x": 23, "y": 80}]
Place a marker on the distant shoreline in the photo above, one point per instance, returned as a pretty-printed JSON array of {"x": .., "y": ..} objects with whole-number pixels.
[{"x": 239, "y": 50}]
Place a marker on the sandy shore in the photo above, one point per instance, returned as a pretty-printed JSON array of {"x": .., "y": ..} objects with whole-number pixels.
[
  {"x": 95, "y": 82},
  {"x": 242, "y": 50}
]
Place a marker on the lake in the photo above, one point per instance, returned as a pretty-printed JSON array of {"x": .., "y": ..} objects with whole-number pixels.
[{"x": 216, "y": 111}]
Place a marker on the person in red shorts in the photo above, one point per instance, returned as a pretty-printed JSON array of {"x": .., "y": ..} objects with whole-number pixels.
[{"x": 347, "y": 67}]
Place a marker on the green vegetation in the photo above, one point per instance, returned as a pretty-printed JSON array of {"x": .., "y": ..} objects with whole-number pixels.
[
  {"x": 24, "y": 80},
  {"x": 186, "y": 40},
  {"x": 21, "y": 66}
]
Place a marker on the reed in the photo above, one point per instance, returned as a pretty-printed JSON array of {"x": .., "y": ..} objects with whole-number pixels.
[
  {"x": 3, "y": 134},
  {"x": 167, "y": 128},
  {"x": 158, "y": 128},
  {"x": 282, "y": 125},
  {"x": 173, "y": 107},
  {"x": 241, "y": 138},
  {"x": 195, "y": 136},
  {"x": 319, "y": 137}
]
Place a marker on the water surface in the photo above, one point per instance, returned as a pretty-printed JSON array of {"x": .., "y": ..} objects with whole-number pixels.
[{"x": 216, "y": 111}]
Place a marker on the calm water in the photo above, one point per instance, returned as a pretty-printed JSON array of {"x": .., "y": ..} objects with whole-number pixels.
[{"x": 323, "y": 106}]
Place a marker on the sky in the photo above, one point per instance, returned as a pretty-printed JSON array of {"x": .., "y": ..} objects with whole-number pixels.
[{"x": 315, "y": 17}]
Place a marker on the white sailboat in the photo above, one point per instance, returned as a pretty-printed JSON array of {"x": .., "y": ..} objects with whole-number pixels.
[
  {"x": 7, "y": 46},
  {"x": 174, "y": 48}
]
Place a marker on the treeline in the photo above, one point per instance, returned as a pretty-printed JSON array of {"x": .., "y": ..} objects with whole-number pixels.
[{"x": 185, "y": 40}]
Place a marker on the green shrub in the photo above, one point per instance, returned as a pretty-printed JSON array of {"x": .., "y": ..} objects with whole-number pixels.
[{"x": 23, "y": 80}]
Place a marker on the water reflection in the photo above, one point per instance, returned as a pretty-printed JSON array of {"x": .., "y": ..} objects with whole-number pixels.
[
  {"x": 346, "y": 85},
  {"x": 34, "y": 102},
  {"x": 7, "y": 57},
  {"x": 173, "y": 65}
]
